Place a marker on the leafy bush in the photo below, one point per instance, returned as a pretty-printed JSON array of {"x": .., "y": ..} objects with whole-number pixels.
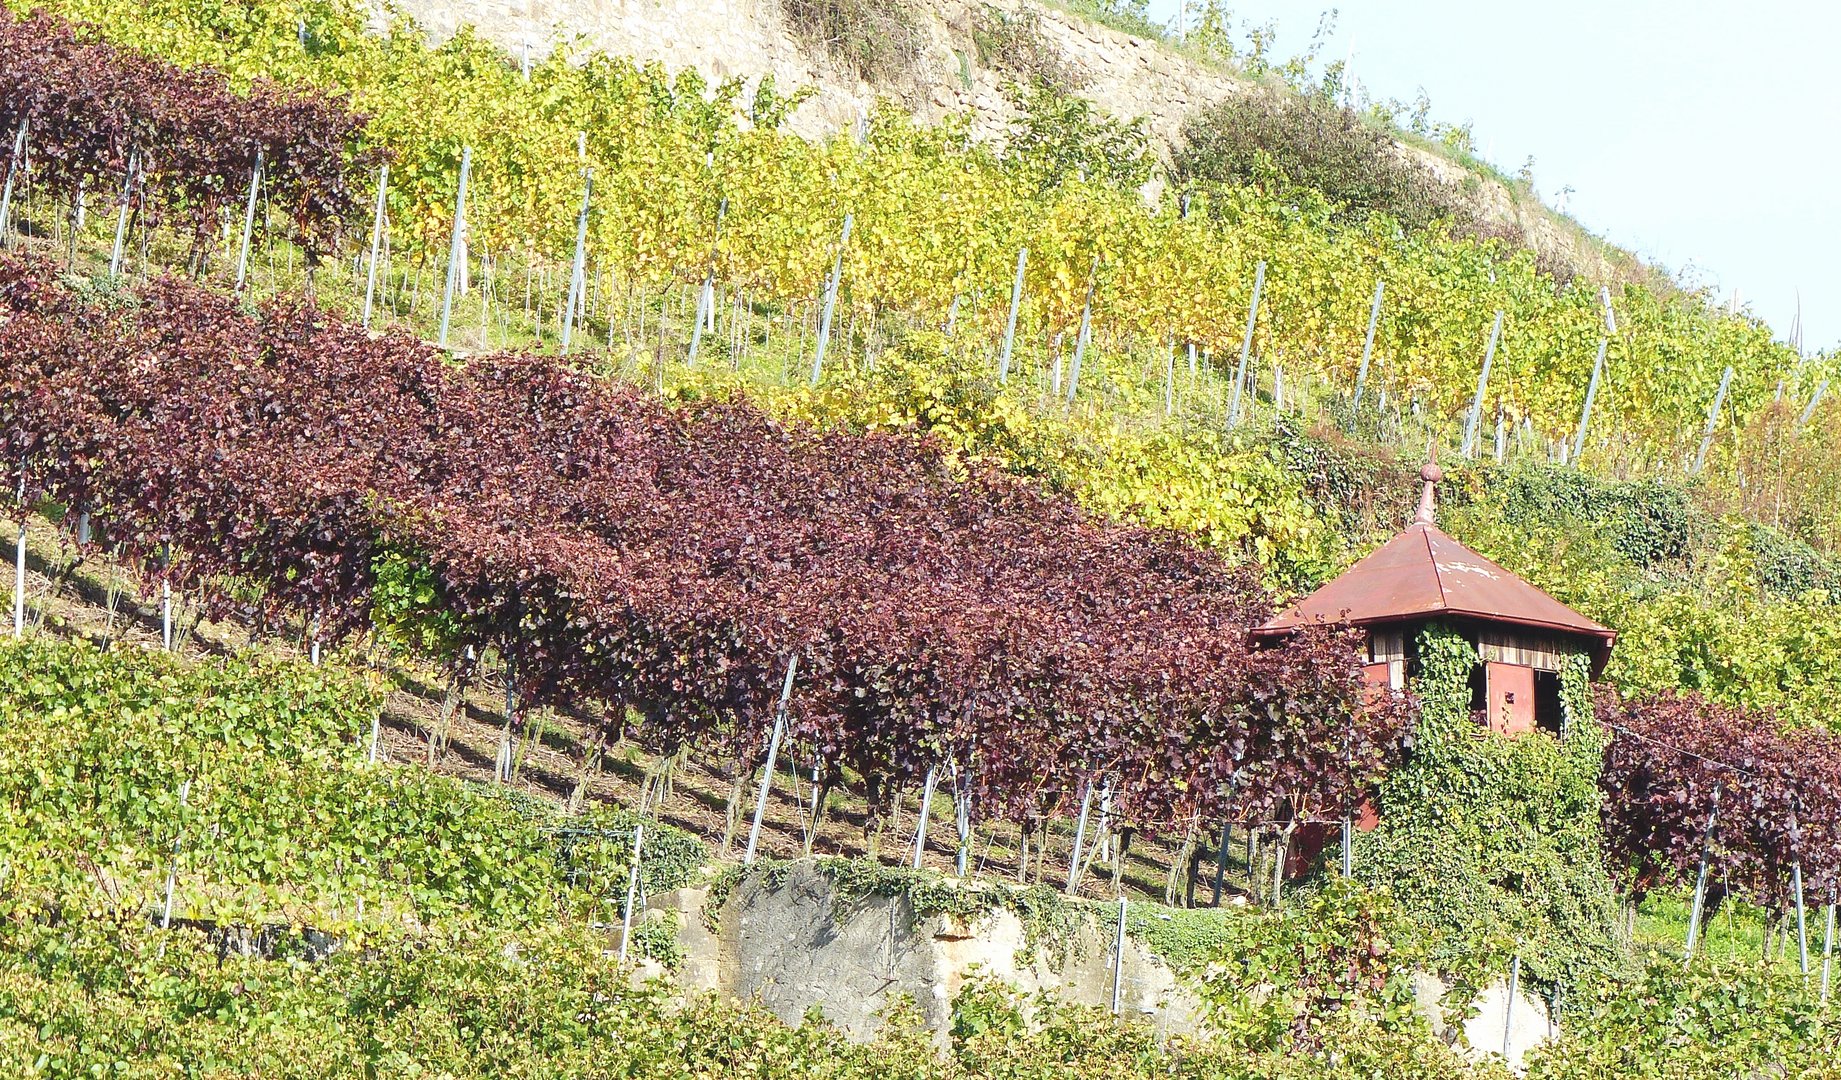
[
  {"x": 1263, "y": 138},
  {"x": 1649, "y": 522},
  {"x": 1715, "y": 1019},
  {"x": 1320, "y": 976},
  {"x": 1788, "y": 567},
  {"x": 98, "y": 997},
  {"x": 1013, "y": 44},
  {"x": 998, "y": 1033},
  {"x": 879, "y": 40},
  {"x": 1671, "y": 756},
  {"x": 1061, "y": 137},
  {"x": 595, "y": 853}
]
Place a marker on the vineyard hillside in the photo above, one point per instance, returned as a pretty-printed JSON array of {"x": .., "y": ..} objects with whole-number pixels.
[
  {"x": 960, "y": 58},
  {"x": 508, "y": 543}
]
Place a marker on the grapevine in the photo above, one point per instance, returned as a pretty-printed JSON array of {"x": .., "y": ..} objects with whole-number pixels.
[
  {"x": 940, "y": 218},
  {"x": 619, "y": 550},
  {"x": 102, "y": 118},
  {"x": 1779, "y": 797}
]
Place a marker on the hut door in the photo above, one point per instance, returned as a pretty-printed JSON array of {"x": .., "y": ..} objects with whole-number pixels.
[{"x": 1510, "y": 697}]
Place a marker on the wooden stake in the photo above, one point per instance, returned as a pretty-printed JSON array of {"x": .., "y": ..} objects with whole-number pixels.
[
  {"x": 511, "y": 712},
  {"x": 578, "y": 282},
  {"x": 1475, "y": 416},
  {"x": 632, "y": 887},
  {"x": 1082, "y": 339},
  {"x": 706, "y": 296},
  {"x": 1227, "y": 836},
  {"x": 1281, "y": 843},
  {"x": 1508, "y": 1008},
  {"x": 1802, "y": 929},
  {"x": 172, "y": 873},
  {"x": 121, "y": 220},
  {"x": 831, "y": 287},
  {"x": 1713, "y": 419},
  {"x": 1828, "y": 950},
  {"x": 1080, "y": 836},
  {"x": 1374, "y": 320},
  {"x": 962, "y": 817},
  {"x": 1118, "y": 959},
  {"x": 166, "y": 612},
  {"x": 1814, "y": 400},
  {"x": 1591, "y": 392},
  {"x": 12, "y": 170},
  {"x": 1700, "y": 881},
  {"x": 926, "y": 806},
  {"x": 19, "y": 561}
]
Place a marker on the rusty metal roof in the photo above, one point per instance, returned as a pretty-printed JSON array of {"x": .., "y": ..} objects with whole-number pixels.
[{"x": 1423, "y": 573}]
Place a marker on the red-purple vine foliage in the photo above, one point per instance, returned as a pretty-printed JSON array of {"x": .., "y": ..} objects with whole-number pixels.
[
  {"x": 623, "y": 551},
  {"x": 1779, "y": 796},
  {"x": 88, "y": 107}
]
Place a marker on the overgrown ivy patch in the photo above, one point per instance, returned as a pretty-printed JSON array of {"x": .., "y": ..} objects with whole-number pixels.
[
  {"x": 1049, "y": 919},
  {"x": 1494, "y": 844}
]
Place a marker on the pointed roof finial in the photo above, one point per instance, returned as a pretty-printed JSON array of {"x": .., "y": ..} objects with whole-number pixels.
[{"x": 1430, "y": 474}]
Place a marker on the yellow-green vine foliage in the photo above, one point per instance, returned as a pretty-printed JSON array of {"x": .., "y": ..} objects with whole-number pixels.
[
  {"x": 1736, "y": 611},
  {"x": 1495, "y": 842},
  {"x": 938, "y": 216},
  {"x": 283, "y": 820},
  {"x": 1720, "y": 1017}
]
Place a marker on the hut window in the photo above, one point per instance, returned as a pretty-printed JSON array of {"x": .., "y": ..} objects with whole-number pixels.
[
  {"x": 1386, "y": 646},
  {"x": 1549, "y": 714}
]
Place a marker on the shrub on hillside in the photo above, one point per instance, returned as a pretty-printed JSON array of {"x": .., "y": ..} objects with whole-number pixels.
[
  {"x": 1013, "y": 44},
  {"x": 1492, "y": 845},
  {"x": 1649, "y": 522},
  {"x": 1061, "y": 137},
  {"x": 879, "y": 40},
  {"x": 1262, "y": 138}
]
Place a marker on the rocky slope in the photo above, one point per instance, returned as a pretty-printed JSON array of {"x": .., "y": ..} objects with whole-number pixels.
[{"x": 1127, "y": 76}]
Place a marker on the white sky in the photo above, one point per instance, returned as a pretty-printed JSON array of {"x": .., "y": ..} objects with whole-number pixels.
[{"x": 1699, "y": 135}]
